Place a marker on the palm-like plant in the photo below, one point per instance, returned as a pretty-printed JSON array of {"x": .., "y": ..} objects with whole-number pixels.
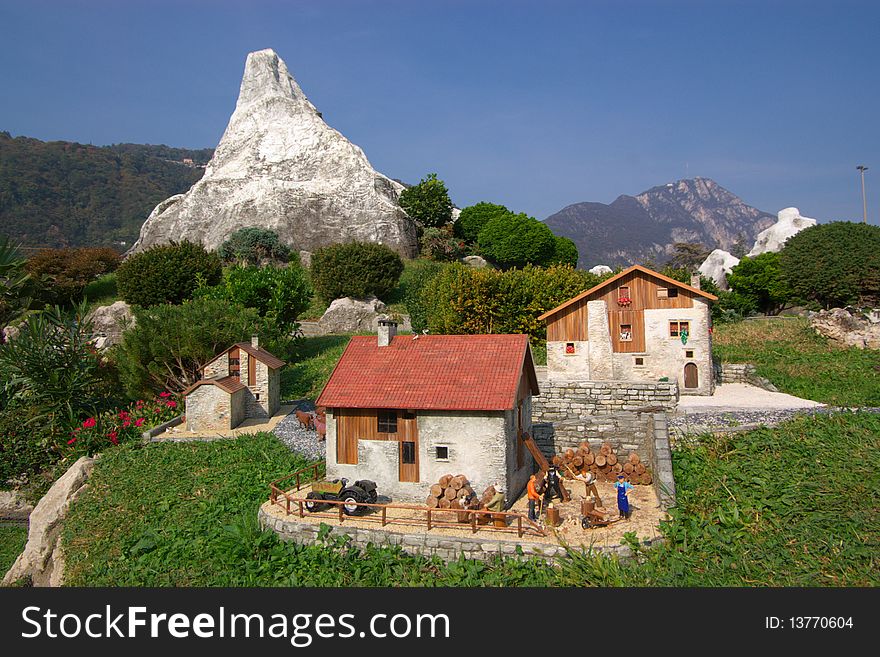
[{"x": 14, "y": 282}]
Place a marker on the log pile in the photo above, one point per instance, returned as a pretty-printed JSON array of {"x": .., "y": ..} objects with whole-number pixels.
[
  {"x": 455, "y": 492},
  {"x": 604, "y": 463}
]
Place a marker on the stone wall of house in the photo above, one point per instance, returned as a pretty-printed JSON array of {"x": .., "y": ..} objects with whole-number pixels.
[
  {"x": 258, "y": 402},
  {"x": 209, "y": 408},
  {"x": 218, "y": 368},
  {"x": 478, "y": 445},
  {"x": 447, "y": 548},
  {"x": 568, "y": 366},
  {"x": 274, "y": 395}
]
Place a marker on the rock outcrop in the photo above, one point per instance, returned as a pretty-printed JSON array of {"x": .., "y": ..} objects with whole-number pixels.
[
  {"x": 13, "y": 506},
  {"x": 42, "y": 560},
  {"x": 280, "y": 166},
  {"x": 109, "y": 322},
  {"x": 349, "y": 315},
  {"x": 600, "y": 270},
  {"x": 847, "y": 329},
  {"x": 717, "y": 266},
  {"x": 789, "y": 222},
  {"x": 475, "y": 261}
]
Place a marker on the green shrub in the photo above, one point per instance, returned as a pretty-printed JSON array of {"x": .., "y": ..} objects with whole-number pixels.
[
  {"x": 465, "y": 300},
  {"x": 428, "y": 202},
  {"x": 16, "y": 285},
  {"x": 169, "y": 344},
  {"x": 565, "y": 252},
  {"x": 517, "y": 240},
  {"x": 439, "y": 244},
  {"x": 834, "y": 264},
  {"x": 474, "y": 218},
  {"x": 253, "y": 246},
  {"x": 28, "y": 445},
  {"x": 63, "y": 274},
  {"x": 281, "y": 293},
  {"x": 355, "y": 269},
  {"x": 167, "y": 273},
  {"x": 415, "y": 277}
]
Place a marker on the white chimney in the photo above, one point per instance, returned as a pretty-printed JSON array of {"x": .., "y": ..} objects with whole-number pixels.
[
  {"x": 695, "y": 281},
  {"x": 255, "y": 342},
  {"x": 387, "y": 331}
]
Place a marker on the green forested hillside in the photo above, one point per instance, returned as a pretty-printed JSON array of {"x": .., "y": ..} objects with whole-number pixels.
[{"x": 62, "y": 193}]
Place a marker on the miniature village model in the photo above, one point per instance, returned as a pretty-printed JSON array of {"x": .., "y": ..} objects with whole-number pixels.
[{"x": 240, "y": 383}]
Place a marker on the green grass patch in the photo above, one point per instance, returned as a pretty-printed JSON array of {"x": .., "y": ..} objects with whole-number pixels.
[
  {"x": 12, "y": 539},
  {"x": 800, "y": 362},
  {"x": 102, "y": 292},
  {"x": 790, "y": 506},
  {"x": 309, "y": 367}
]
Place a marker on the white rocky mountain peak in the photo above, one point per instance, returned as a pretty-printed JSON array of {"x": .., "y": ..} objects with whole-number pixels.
[
  {"x": 280, "y": 166},
  {"x": 789, "y": 222}
]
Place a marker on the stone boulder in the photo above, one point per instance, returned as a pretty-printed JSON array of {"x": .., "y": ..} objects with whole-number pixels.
[
  {"x": 109, "y": 323},
  {"x": 600, "y": 270},
  {"x": 475, "y": 261},
  {"x": 847, "y": 329},
  {"x": 717, "y": 266},
  {"x": 349, "y": 315},
  {"x": 13, "y": 506},
  {"x": 42, "y": 560},
  {"x": 789, "y": 222},
  {"x": 10, "y": 333},
  {"x": 280, "y": 166}
]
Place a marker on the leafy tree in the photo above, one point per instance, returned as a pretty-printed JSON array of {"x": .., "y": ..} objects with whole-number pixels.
[
  {"x": 439, "y": 244},
  {"x": 834, "y": 264},
  {"x": 428, "y": 202},
  {"x": 53, "y": 368},
  {"x": 565, "y": 252},
  {"x": 167, "y": 273},
  {"x": 15, "y": 283},
  {"x": 355, "y": 269},
  {"x": 280, "y": 293},
  {"x": 413, "y": 281},
  {"x": 516, "y": 240},
  {"x": 64, "y": 273},
  {"x": 760, "y": 280},
  {"x": 170, "y": 344},
  {"x": 474, "y": 218},
  {"x": 254, "y": 246},
  {"x": 688, "y": 255}
]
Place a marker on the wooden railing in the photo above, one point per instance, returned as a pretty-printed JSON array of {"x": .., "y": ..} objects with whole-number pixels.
[
  {"x": 299, "y": 478},
  {"x": 509, "y": 522}
]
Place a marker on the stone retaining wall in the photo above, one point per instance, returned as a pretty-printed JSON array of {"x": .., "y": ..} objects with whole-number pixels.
[
  {"x": 741, "y": 373},
  {"x": 564, "y": 400},
  {"x": 447, "y": 548}
]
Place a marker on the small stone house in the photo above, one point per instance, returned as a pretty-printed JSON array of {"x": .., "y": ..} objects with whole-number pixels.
[
  {"x": 242, "y": 382},
  {"x": 636, "y": 326},
  {"x": 405, "y": 410}
]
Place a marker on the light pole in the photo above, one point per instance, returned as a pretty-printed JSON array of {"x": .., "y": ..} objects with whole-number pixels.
[{"x": 862, "y": 168}]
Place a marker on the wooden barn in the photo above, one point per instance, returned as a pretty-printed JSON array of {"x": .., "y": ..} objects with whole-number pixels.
[
  {"x": 405, "y": 410},
  {"x": 636, "y": 326}
]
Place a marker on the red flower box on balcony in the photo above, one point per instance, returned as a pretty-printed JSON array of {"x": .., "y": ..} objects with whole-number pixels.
[{"x": 624, "y": 301}]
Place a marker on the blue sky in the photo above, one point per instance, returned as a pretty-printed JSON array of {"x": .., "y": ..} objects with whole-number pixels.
[{"x": 535, "y": 105}]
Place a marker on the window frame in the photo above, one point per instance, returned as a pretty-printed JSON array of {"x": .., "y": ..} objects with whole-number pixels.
[
  {"x": 620, "y": 333},
  {"x": 406, "y": 446},
  {"x": 676, "y": 332},
  {"x": 386, "y": 422}
]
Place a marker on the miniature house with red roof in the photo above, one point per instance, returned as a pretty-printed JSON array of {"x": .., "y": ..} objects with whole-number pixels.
[
  {"x": 405, "y": 410},
  {"x": 636, "y": 326},
  {"x": 242, "y": 382}
]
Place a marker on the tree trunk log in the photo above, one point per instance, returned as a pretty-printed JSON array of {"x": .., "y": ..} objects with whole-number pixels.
[
  {"x": 611, "y": 459},
  {"x": 436, "y": 490},
  {"x": 450, "y": 493},
  {"x": 634, "y": 458},
  {"x": 600, "y": 460},
  {"x": 432, "y": 502}
]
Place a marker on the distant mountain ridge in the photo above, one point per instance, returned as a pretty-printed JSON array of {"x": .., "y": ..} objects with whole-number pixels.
[
  {"x": 61, "y": 193},
  {"x": 635, "y": 229}
]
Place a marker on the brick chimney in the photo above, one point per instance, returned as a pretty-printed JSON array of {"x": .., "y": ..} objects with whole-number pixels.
[
  {"x": 387, "y": 331},
  {"x": 695, "y": 280},
  {"x": 255, "y": 342}
]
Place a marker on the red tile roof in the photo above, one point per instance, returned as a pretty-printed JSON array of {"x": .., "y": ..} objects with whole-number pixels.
[
  {"x": 431, "y": 372},
  {"x": 228, "y": 384}
]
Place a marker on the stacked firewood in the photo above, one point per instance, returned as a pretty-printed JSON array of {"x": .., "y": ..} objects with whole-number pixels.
[
  {"x": 604, "y": 463},
  {"x": 455, "y": 492}
]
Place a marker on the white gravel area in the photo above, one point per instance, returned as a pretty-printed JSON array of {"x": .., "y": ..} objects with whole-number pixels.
[
  {"x": 741, "y": 397},
  {"x": 303, "y": 441}
]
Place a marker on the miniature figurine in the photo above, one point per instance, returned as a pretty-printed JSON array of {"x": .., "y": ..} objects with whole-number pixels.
[
  {"x": 623, "y": 488},
  {"x": 534, "y": 497},
  {"x": 497, "y": 501},
  {"x": 553, "y": 487}
]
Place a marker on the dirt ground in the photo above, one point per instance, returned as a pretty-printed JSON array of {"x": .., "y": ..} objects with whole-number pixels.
[{"x": 644, "y": 521}]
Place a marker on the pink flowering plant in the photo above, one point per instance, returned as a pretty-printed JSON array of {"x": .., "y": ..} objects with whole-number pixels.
[{"x": 111, "y": 428}]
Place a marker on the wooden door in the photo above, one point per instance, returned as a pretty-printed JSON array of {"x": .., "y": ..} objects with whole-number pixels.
[
  {"x": 691, "y": 376},
  {"x": 520, "y": 456},
  {"x": 234, "y": 362},
  {"x": 252, "y": 370},
  {"x": 346, "y": 437},
  {"x": 408, "y": 443}
]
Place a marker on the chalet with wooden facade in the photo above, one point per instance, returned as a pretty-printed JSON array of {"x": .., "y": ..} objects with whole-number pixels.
[
  {"x": 242, "y": 382},
  {"x": 636, "y": 326},
  {"x": 405, "y": 410}
]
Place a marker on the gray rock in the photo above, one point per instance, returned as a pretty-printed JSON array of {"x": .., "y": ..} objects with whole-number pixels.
[
  {"x": 475, "y": 261},
  {"x": 600, "y": 270},
  {"x": 13, "y": 507},
  {"x": 110, "y": 322},
  {"x": 280, "y": 166},
  {"x": 847, "y": 329},
  {"x": 40, "y": 559},
  {"x": 789, "y": 222},
  {"x": 349, "y": 315},
  {"x": 10, "y": 333},
  {"x": 717, "y": 266}
]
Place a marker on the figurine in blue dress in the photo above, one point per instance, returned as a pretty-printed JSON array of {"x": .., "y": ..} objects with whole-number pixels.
[{"x": 623, "y": 488}]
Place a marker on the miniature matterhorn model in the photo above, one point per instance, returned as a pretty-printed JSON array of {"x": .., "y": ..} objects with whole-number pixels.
[
  {"x": 280, "y": 167},
  {"x": 717, "y": 266},
  {"x": 790, "y": 222}
]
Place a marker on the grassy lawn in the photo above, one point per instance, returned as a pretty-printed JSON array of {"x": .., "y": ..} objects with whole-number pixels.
[
  {"x": 12, "y": 540},
  {"x": 798, "y": 361},
  {"x": 102, "y": 292},
  {"x": 791, "y": 506},
  {"x": 310, "y": 366}
]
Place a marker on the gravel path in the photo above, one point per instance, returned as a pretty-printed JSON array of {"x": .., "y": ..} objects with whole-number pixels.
[{"x": 302, "y": 441}]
